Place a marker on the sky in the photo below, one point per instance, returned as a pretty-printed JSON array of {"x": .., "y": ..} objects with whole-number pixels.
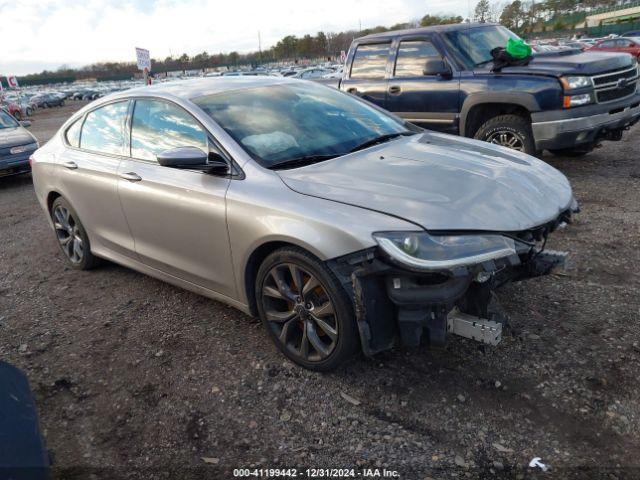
[{"x": 46, "y": 34}]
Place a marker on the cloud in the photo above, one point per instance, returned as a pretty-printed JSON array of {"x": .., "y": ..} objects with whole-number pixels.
[{"x": 40, "y": 34}]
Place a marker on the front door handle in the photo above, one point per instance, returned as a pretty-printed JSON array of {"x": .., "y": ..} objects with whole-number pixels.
[
  {"x": 395, "y": 90},
  {"x": 131, "y": 176},
  {"x": 70, "y": 165},
  {"x": 352, "y": 90}
]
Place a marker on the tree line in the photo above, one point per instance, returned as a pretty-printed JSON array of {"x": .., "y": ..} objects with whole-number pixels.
[{"x": 519, "y": 15}]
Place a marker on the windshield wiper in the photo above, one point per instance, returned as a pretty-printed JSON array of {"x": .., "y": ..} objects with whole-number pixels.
[
  {"x": 301, "y": 161},
  {"x": 479, "y": 64},
  {"x": 380, "y": 139}
]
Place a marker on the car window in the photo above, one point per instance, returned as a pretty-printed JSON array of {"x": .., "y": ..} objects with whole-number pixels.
[
  {"x": 102, "y": 130},
  {"x": 73, "y": 133},
  {"x": 6, "y": 120},
  {"x": 370, "y": 61},
  {"x": 158, "y": 126},
  {"x": 281, "y": 122},
  {"x": 622, "y": 43},
  {"x": 607, "y": 44},
  {"x": 412, "y": 58}
]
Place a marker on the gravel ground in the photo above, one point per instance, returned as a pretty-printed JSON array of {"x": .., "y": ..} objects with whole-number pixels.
[{"x": 137, "y": 379}]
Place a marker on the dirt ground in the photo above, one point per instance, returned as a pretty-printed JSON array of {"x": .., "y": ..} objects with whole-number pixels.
[{"x": 137, "y": 379}]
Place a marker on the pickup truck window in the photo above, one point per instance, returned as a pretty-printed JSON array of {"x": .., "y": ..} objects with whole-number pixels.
[
  {"x": 472, "y": 46},
  {"x": 370, "y": 61},
  {"x": 412, "y": 58}
]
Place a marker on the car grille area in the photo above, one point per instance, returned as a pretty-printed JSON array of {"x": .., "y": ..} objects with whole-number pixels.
[{"x": 615, "y": 85}]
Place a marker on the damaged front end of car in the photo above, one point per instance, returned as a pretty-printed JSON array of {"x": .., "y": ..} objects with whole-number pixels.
[{"x": 422, "y": 286}]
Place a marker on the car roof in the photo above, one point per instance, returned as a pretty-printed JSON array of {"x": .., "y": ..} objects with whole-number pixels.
[
  {"x": 452, "y": 27},
  {"x": 199, "y": 87}
]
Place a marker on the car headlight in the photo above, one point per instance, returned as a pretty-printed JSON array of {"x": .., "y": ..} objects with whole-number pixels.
[
  {"x": 577, "y": 100},
  {"x": 569, "y": 83},
  {"x": 443, "y": 252},
  {"x": 30, "y": 147}
]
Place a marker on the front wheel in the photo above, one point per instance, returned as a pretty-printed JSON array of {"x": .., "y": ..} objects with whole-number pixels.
[
  {"x": 511, "y": 131},
  {"x": 305, "y": 310}
]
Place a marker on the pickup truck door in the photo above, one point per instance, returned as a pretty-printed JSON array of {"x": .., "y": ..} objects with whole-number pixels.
[
  {"x": 367, "y": 75},
  {"x": 422, "y": 87}
]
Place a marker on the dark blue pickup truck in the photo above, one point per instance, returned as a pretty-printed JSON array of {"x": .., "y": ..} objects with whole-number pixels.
[{"x": 444, "y": 78}]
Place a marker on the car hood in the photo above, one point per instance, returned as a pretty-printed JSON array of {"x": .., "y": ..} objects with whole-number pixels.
[
  {"x": 441, "y": 182},
  {"x": 10, "y": 137},
  {"x": 573, "y": 62}
]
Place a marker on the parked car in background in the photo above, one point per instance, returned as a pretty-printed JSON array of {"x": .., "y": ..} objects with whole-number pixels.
[
  {"x": 312, "y": 73},
  {"x": 47, "y": 100},
  {"x": 16, "y": 145},
  {"x": 350, "y": 227},
  {"x": 14, "y": 110},
  {"x": 632, "y": 33},
  {"x": 443, "y": 77},
  {"x": 629, "y": 45}
]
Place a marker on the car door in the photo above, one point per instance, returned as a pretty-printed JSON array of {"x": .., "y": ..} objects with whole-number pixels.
[
  {"x": 177, "y": 217},
  {"x": 88, "y": 170},
  {"x": 419, "y": 89},
  {"x": 367, "y": 76},
  {"x": 607, "y": 46},
  {"x": 628, "y": 46}
]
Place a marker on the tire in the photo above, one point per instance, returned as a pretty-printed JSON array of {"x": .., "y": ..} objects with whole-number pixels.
[
  {"x": 28, "y": 112},
  {"x": 62, "y": 103},
  {"x": 70, "y": 227},
  {"x": 17, "y": 116},
  {"x": 313, "y": 314},
  {"x": 571, "y": 152},
  {"x": 511, "y": 131}
]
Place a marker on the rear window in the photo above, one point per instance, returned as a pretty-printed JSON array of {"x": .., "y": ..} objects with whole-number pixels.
[
  {"x": 73, "y": 133},
  {"x": 102, "y": 131},
  {"x": 370, "y": 61},
  {"x": 412, "y": 58}
]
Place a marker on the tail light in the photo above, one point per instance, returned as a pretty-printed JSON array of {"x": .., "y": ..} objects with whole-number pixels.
[{"x": 31, "y": 160}]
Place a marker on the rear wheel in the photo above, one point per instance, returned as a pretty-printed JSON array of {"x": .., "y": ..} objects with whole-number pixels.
[
  {"x": 71, "y": 235},
  {"x": 511, "y": 131},
  {"x": 305, "y": 310}
]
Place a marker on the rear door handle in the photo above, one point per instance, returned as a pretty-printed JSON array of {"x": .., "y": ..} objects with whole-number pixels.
[
  {"x": 395, "y": 90},
  {"x": 131, "y": 176},
  {"x": 70, "y": 165}
]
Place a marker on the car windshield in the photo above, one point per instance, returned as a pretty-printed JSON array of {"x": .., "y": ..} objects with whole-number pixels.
[
  {"x": 6, "y": 120},
  {"x": 472, "y": 46},
  {"x": 290, "y": 122}
]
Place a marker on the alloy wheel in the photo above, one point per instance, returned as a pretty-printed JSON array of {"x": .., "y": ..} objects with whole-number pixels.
[
  {"x": 299, "y": 312},
  {"x": 68, "y": 233},
  {"x": 507, "y": 138}
]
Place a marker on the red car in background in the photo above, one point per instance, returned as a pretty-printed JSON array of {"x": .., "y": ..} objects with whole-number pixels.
[{"x": 622, "y": 44}]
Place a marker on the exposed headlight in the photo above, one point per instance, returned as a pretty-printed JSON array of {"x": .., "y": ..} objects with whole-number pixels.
[
  {"x": 569, "y": 83},
  {"x": 435, "y": 252}
]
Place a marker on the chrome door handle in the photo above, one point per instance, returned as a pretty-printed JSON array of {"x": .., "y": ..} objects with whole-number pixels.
[
  {"x": 131, "y": 176},
  {"x": 70, "y": 165},
  {"x": 395, "y": 90}
]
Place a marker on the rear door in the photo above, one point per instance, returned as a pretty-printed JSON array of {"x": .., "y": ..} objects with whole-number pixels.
[
  {"x": 421, "y": 96},
  {"x": 177, "y": 217},
  {"x": 88, "y": 172},
  {"x": 367, "y": 75}
]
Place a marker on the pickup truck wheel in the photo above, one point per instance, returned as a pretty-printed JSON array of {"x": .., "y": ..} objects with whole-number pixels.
[
  {"x": 511, "y": 131},
  {"x": 571, "y": 152}
]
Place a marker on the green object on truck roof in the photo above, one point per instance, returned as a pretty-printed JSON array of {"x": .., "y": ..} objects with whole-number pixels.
[{"x": 518, "y": 48}]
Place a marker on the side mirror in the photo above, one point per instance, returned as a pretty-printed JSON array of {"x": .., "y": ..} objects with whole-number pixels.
[
  {"x": 437, "y": 66},
  {"x": 25, "y": 123},
  {"x": 193, "y": 158}
]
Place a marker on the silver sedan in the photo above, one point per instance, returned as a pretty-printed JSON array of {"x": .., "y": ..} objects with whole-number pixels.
[{"x": 341, "y": 226}]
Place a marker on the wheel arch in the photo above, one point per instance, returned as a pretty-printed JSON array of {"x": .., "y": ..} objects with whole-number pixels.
[
  {"x": 51, "y": 197},
  {"x": 476, "y": 110}
]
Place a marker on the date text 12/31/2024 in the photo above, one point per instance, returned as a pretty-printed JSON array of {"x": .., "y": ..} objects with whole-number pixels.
[{"x": 315, "y": 473}]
